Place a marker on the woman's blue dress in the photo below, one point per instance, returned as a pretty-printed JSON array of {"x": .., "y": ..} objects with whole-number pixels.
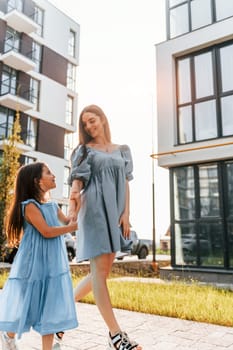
[
  {"x": 39, "y": 292},
  {"x": 103, "y": 199}
]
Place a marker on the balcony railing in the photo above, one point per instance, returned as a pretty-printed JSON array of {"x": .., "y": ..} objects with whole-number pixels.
[
  {"x": 18, "y": 55},
  {"x": 20, "y": 21},
  {"x": 16, "y": 96}
]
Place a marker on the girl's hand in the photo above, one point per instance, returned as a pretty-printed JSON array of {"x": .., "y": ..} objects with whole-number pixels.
[{"x": 124, "y": 223}]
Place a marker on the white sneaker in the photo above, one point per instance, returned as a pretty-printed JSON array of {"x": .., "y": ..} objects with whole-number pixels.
[{"x": 8, "y": 343}]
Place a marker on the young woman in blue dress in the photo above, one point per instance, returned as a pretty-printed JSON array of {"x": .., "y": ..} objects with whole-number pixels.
[
  {"x": 39, "y": 281},
  {"x": 99, "y": 198}
]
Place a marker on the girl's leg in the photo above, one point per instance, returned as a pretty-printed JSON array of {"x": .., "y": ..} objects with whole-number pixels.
[
  {"x": 100, "y": 269},
  {"x": 47, "y": 341},
  {"x": 11, "y": 335},
  {"x": 83, "y": 288}
]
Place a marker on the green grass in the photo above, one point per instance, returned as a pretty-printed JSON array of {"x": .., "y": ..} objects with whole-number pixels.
[{"x": 174, "y": 299}]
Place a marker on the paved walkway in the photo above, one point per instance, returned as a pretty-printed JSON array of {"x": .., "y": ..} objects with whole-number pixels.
[{"x": 152, "y": 332}]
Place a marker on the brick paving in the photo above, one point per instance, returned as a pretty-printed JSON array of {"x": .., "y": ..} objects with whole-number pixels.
[{"x": 151, "y": 331}]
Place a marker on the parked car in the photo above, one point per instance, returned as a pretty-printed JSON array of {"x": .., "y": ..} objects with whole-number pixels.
[
  {"x": 140, "y": 247},
  {"x": 70, "y": 247}
]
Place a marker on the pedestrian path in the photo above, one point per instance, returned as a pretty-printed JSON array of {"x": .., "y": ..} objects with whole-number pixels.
[{"x": 151, "y": 331}]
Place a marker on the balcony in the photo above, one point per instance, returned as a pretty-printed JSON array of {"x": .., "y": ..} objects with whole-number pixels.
[
  {"x": 20, "y": 22},
  {"x": 12, "y": 57},
  {"x": 20, "y": 146},
  {"x": 17, "y": 61},
  {"x": 17, "y": 101}
]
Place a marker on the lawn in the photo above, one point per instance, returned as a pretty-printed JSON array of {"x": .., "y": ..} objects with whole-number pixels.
[{"x": 173, "y": 299}]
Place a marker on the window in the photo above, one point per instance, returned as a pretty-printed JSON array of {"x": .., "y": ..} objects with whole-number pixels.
[
  {"x": 8, "y": 81},
  {"x": 69, "y": 110},
  {"x": 15, "y": 4},
  {"x": 205, "y": 94},
  {"x": 39, "y": 19},
  {"x": 203, "y": 17},
  {"x": 188, "y": 15},
  {"x": 224, "y": 9},
  {"x": 12, "y": 41},
  {"x": 179, "y": 21},
  {"x": 197, "y": 217},
  {"x": 31, "y": 132},
  {"x": 66, "y": 188},
  {"x": 36, "y": 55},
  {"x": 71, "y": 43},
  {"x": 6, "y": 122},
  {"x": 71, "y": 76},
  {"x": 26, "y": 160},
  {"x": 68, "y": 145},
  {"x": 34, "y": 93}
]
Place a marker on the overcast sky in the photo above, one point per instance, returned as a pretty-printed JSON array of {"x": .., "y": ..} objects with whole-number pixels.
[{"x": 117, "y": 72}]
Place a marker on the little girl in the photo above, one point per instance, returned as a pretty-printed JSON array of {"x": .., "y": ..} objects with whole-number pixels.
[{"x": 38, "y": 292}]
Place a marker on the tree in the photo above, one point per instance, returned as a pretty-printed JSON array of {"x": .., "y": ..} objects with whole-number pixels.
[{"x": 8, "y": 169}]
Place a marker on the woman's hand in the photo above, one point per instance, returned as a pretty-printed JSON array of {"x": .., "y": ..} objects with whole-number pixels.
[
  {"x": 125, "y": 225},
  {"x": 73, "y": 225}
]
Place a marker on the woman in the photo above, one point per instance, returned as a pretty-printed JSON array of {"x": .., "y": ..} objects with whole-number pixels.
[{"x": 99, "y": 197}]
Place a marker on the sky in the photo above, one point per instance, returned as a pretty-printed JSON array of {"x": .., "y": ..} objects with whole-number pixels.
[{"x": 117, "y": 71}]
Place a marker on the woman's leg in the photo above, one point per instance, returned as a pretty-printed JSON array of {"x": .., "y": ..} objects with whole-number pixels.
[
  {"x": 83, "y": 288},
  {"x": 47, "y": 341},
  {"x": 100, "y": 269}
]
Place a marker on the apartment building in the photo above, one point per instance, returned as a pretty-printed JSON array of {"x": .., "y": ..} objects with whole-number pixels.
[
  {"x": 39, "y": 55},
  {"x": 195, "y": 135}
]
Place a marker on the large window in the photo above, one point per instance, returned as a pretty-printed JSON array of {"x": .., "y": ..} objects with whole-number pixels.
[
  {"x": 12, "y": 40},
  {"x": 68, "y": 145},
  {"x": 71, "y": 43},
  {"x": 69, "y": 110},
  {"x": 205, "y": 94},
  {"x": 31, "y": 136},
  {"x": 202, "y": 215},
  {"x": 8, "y": 81},
  {"x": 187, "y": 15},
  {"x": 6, "y": 122},
  {"x": 39, "y": 19},
  {"x": 15, "y": 4},
  {"x": 71, "y": 76},
  {"x": 35, "y": 93},
  {"x": 36, "y": 55}
]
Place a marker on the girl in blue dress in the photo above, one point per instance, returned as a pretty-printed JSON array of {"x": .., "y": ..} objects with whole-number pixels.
[
  {"x": 99, "y": 180},
  {"x": 38, "y": 292}
]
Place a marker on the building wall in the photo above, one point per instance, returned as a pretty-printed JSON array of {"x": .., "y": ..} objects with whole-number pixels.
[
  {"x": 198, "y": 100},
  {"x": 51, "y": 114},
  {"x": 166, "y": 94}
]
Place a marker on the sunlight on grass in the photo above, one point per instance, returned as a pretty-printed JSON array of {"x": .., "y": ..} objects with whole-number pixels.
[
  {"x": 173, "y": 299},
  {"x": 3, "y": 277}
]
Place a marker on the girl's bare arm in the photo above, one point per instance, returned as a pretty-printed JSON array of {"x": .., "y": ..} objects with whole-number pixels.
[{"x": 34, "y": 217}]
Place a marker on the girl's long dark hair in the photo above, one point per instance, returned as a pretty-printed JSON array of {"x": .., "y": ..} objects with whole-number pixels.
[{"x": 26, "y": 187}]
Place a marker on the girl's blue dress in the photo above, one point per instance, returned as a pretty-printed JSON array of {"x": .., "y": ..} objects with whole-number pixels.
[
  {"x": 39, "y": 292},
  {"x": 103, "y": 199}
]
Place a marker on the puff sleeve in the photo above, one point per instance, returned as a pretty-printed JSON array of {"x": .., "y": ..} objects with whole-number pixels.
[
  {"x": 127, "y": 156},
  {"x": 80, "y": 169}
]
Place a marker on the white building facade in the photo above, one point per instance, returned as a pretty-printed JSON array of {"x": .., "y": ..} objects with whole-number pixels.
[
  {"x": 195, "y": 131},
  {"x": 39, "y": 55}
]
